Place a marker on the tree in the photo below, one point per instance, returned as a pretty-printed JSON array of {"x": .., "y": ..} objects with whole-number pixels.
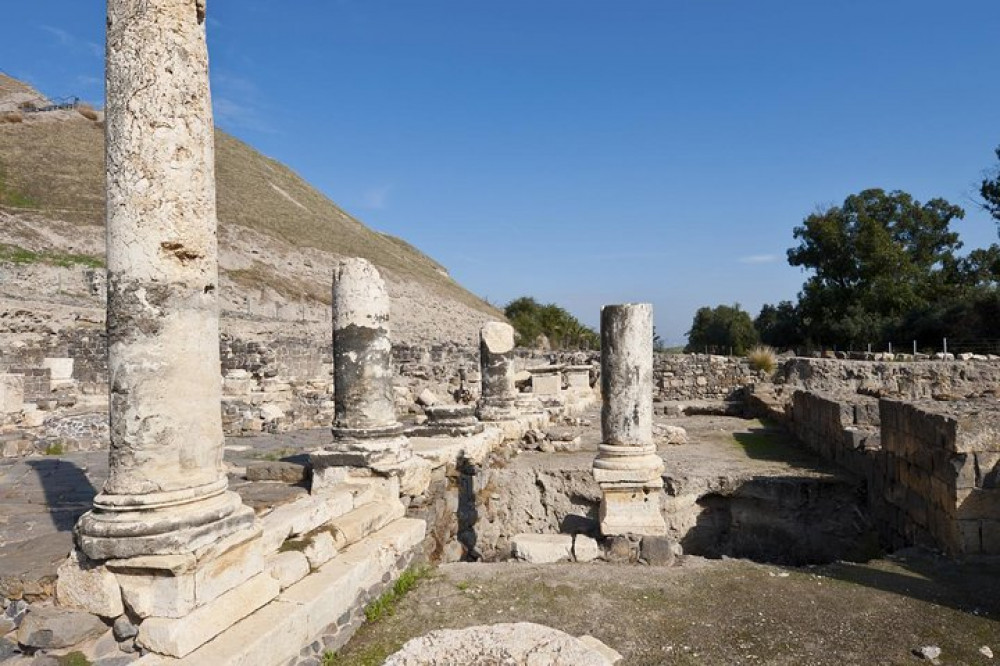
[
  {"x": 721, "y": 329},
  {"x": 532, "y": 320},
  {"x": 874, "y": 259},
  {"x": 778, "y": 325},
  {"x": 990, "y": 191}
]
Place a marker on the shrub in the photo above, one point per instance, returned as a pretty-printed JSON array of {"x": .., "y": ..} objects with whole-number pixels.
[{"x": 763, "y": 358}]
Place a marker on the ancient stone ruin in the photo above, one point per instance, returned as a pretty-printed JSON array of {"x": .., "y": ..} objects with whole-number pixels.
[{"x": 203, "y": 550}]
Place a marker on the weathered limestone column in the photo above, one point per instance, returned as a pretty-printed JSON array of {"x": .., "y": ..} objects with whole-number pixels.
[
  {"x": 496, "y": 361},
  {"x": 167, "y": 489},
  {"x": 365, "y": 430},
  {"x": 627, "y": 466}
]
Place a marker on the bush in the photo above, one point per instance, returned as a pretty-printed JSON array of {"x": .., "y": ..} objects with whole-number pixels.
[{"x": 763, "y": 358}]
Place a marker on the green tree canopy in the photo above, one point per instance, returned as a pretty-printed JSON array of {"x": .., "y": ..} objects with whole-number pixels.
[
  {"x": 778, "y": 325},
  {"x": 531, "y": 320},
  {"x": 990, "y": 191},
  {"x": 874, "y": 259},
  {"x": 720, "y": 329}
]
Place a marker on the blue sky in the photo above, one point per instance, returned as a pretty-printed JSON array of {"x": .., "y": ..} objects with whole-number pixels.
[{"x": 590, "y": 151}]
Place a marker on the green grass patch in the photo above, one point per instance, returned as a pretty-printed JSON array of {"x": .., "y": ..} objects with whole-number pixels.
[
  {"x": 55, "y": 449},
  {"x": 385, "y": 605},
  {"x": 76, "y": 658},
  {"x": 373, "y": 655},
  {"x": 13, "y": 254}
]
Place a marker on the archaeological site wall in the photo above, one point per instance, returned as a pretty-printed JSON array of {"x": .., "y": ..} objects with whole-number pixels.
[
  {"x": 930, "y": 466},
  {"x": 702, "y": 377}
]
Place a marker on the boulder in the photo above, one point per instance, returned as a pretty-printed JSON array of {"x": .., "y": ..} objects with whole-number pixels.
[{"x": 511, "y": 644}]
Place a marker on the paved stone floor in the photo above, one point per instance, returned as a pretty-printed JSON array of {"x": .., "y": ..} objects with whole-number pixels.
[{"x": 41, "y": 498}]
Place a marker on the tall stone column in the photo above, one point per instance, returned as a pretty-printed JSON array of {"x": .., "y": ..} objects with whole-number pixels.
[
  {"x": 365, "y": 430},
  {"x": 496, "y": 360},
  {"x": 167, "y": 488},
  {"x": 627, "y": 467}
]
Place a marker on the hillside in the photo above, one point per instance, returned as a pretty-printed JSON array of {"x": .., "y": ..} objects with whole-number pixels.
[{"x": 278, "y": 235}]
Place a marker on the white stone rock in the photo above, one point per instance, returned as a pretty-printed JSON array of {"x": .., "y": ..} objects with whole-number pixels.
[
  {"x": 611, "y": 655},
  {"x": 11, "y": 393},
  {"x": 320, "y": 549},
  {"x": 271, "y": 412},
  {"x": 542, "y": 548},
  {"x": 288, "y": 567},
  {"x": 427, "y": 398},
  {"x": 585, "y": 548},
  {"x": 84, "y": 585},
  {"x": 671, "y": 434},
  {"x": 513, "y": 644}
]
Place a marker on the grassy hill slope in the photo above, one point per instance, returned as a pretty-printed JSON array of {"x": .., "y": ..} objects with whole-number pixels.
[{"x": 53, "y": 164}]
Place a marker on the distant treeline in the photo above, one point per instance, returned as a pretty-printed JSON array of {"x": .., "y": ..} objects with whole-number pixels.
[{"x": 882, "y": 266}]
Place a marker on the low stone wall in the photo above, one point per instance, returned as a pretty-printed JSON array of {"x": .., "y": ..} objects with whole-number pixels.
[
  {"x": 941, "y": 463},
  {"x": 931, "y": 467},
  {"x": 702, "y": 377},
  {"x": 913, "y": 380}
]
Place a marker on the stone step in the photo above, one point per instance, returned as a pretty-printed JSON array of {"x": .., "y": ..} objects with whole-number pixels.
[
  {"x": 307, "y": 610},
  {"x": 306, "y": 514}
]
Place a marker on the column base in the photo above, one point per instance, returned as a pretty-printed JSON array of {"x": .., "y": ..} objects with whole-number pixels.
[
  {"x": 501, "y": 410},
  {"x": 628, "y": 508},
  {"x": 104, "y": 534},
  {"x": 363, "y": 451}
]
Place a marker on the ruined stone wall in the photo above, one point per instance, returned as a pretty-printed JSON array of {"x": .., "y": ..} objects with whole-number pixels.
[
  {"x": 931, "y": 467},
  {"x": 941, "y": 465},
  {"x": 904, "y": 379},
  {"x": 702, "y": 377}
]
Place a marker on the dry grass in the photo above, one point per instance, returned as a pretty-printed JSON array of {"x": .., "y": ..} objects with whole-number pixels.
[
  {"x": 13, "y": 117},
  {"x": 763, "y": 358}
]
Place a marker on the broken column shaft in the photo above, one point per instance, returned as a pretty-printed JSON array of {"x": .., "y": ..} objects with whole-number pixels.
[
  {"x": 496, "y": 360},
  {"x": 365, "y": 429},
  {"x": 627, "y": 467},
  {"x": 167, "y": 488}
]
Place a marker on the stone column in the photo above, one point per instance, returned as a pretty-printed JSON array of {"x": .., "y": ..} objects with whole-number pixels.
[
  {"x": 627, "y": 466},
  {"x": 365, "y": 430},
  {"x": 167, "y": 488},
  {"x": 496, "y": 360}
]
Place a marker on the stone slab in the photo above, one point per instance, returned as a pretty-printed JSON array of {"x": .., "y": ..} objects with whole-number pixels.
[
  {"x": 275, "y": 633},
  {"x": 177, "y": 637},
  {"x": 302, "y": 516},
  {"x": 354, "y": 526},
  {"x": 542, "y": 548}
]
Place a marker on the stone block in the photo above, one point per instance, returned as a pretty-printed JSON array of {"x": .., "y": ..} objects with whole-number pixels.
[
  {"x": 585, "y": 548},
  {"x": 86, "y": 586},
  {"x": 174, "y": 590},
  {"x": 971, "y": 537},
  {"x": 288, "y": 567},
  {"x": 352, "y": 527},
  {"x": 979, "y": 503},
  {"x": 542, "y": 548},
  {"x": 630, "y": 509},
  {"x": 54, "y": 628},
  {"x": 658, "y": 551},
  {"x": 177, "y": 637},
  {"x": 303, "y": 516},
  {"x": 60, "y": 369},
  {"x": 286, "y": 472},
  {"x": 11, "y": 393},
  {"x": 990, "y": 535},
  {"x": 320, "y": 549}
]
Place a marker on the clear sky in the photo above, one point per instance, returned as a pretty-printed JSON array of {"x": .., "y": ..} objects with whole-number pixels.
[{"x": 588, "y": 152}]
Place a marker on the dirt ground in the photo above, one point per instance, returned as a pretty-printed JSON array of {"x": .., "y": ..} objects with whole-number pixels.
[{"x": 717, "y": 611}]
